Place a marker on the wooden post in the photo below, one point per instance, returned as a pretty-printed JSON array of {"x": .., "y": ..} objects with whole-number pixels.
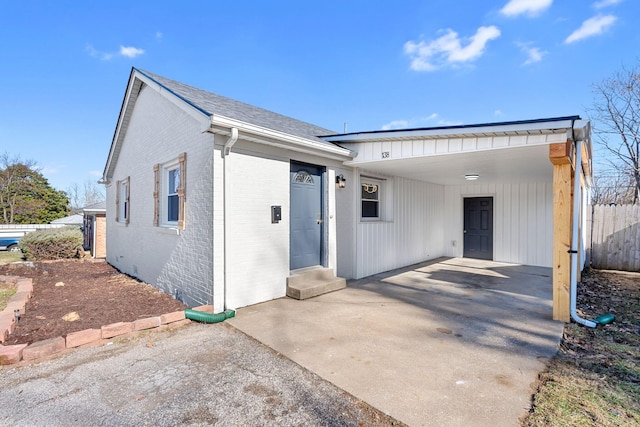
[{"x": 559, "y": 155}]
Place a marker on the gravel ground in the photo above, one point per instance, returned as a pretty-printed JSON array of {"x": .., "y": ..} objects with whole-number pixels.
[{"x": 196, "y": 375}]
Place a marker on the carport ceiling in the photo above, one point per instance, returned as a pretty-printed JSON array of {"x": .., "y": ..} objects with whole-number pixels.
[{"x": 515, "y": 164}]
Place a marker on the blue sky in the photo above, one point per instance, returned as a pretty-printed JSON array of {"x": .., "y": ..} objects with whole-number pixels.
[{"x": 372, "y": 65}]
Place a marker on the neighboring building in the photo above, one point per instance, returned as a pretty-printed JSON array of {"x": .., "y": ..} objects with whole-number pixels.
[
  {"x": 94, "y": 229},
  {"x": 71, "y": 220},
  {"x": 217, "y": 201}
]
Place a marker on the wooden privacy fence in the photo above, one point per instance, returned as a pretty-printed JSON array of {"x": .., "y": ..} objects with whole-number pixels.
[{"x": 613, "y": 233}]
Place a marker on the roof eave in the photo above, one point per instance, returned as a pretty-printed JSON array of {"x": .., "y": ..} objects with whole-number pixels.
[
  {"x": 553, "y": 125},
  {"x": 136, "y": 81},
  {"x": 222, "y": 125},
  {"x": 108, "y": 170}
]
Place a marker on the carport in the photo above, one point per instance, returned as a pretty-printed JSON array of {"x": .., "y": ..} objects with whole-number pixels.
[
  {"x": 454, "y": 341},
  {"x": 494, "y": 191}
]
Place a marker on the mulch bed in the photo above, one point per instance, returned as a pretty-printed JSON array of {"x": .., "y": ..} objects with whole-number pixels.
[{"x": 96, "y": 291}]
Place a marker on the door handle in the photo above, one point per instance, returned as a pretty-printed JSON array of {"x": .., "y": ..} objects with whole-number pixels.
[
  {"x": 465, "y": 231},
  {"x": 319, "y": 221}
]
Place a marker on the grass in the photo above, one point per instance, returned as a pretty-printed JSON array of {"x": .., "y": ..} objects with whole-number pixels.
[
  {"x": 6, "y": 291},
  {"x": 7, "y": 257},
  {"x": 594, "y": 380}
]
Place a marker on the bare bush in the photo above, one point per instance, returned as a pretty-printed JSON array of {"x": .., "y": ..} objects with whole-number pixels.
[{"x": 56, "y": 243}]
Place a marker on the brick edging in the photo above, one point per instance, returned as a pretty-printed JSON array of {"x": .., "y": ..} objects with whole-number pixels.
[
  {"x": 10, "y": 354},
  {"x": 18, "y": 301}
]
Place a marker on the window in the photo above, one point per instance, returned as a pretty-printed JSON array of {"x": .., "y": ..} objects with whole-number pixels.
[
  {"x": 122, "y": 201},
  {"x": 173, "y": 184},
  {"x": 170, "y": 193},
  {"x": 370, "y": 197}
]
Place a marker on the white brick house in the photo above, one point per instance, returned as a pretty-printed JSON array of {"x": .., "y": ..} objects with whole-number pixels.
[{"x": 216, "y": 201}]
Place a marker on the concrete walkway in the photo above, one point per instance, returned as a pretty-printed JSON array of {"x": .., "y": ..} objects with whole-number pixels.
[{"x": 452, "y": 342}]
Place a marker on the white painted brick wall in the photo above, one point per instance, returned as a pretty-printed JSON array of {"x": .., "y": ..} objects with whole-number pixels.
[
  {"x": 192, "y": 264},
  {"x": 159, "y": 132},
  {"x": 258, "y": 250}
]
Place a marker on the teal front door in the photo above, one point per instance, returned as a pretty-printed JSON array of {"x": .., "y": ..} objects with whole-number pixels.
[{"x": 306, "y": 215}]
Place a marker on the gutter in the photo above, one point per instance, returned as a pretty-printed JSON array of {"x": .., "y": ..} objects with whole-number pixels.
[{"x": 221, "y": 125}]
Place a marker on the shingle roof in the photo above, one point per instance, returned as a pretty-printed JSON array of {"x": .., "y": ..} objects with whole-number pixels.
[
  {"x": 69, "y": 220},
  {"x": 210, "y": 103},
  {"x": 96, "y": 206}
]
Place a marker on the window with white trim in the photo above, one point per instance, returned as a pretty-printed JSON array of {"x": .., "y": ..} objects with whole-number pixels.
[
  {"x": 370, "y": 198},
  {"x": 170, "y": 193},
  {"x": 172, "y": 185},
  {"x": 122, "y": 201}
]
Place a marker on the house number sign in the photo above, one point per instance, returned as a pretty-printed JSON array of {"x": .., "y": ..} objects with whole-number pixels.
[{"x": 385, "y": 154}]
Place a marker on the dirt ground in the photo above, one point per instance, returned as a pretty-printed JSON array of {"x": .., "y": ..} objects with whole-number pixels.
[
  {"x": 594, "y": 380},
  {"x": 97, "y": 292}
]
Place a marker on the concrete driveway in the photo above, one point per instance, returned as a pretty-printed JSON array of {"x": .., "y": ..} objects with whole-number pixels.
[{"x": 451, "y": 342}]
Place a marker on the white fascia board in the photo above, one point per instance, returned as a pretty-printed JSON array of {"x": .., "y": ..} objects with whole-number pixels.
[
  {"x": 94, "y": 211},
  {"x": 183, "y": 105},
  {"x": 121, "y": 126},
  {"x": 478, "y": 131},
  {"x": 222, "y": 125},
  {"x": 135, "y": 82}
]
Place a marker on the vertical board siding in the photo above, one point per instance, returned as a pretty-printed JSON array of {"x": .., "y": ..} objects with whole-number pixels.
[
  {"x": 371, "y": 150},
  {"x": 413, "y": 235},
  {"x": 523, "y": 215},
  {"x": 615, "y": 237}
]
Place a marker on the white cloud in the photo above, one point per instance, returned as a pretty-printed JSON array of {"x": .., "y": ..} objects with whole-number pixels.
[
  {"x": 159, "y": 35},
  {"x": 528, "y": 7},
  {"x": 592, "y": 27},
  {"x": 395, "y": 124},
  {"x": 103, "y": 56},
  {"x": 130, "y": 51},
  {"x": 534, "y": 54},
  {"x": 449, "y": 123},
  {"x": 96, "y": 173},
  {"x": 448, "y": 49},
  {"x": 428, "y": 121},
  {"x": 606, "y": 3},
  {"x": 51, "y": 169},
  {"x": 497, "y": 113}
]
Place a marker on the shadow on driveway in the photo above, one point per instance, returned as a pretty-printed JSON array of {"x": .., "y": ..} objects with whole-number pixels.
[{"x": 446, "y": 342}]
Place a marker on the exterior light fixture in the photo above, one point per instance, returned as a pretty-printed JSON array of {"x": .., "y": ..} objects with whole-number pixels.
[
  {"x": 471, "y": 176},
  {"x": 341, "y": 182}
]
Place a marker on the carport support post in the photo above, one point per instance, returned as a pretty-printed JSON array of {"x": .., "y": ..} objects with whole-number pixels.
[{"x": 560, "y": 156}]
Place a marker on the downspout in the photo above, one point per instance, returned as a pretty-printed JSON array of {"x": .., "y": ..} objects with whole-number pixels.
[
  {"x": 203, "y": 316},
  {"x": 574, "y": 235},
  {"x": 226, "y": 150}
]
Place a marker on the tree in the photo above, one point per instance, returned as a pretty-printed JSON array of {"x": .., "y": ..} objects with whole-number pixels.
[
  {"x": 26, "y": 196},
  {"x": 616, "y": 116},
  {"x": 611, "y": 186},
  {"x": 89, "y": 194}
]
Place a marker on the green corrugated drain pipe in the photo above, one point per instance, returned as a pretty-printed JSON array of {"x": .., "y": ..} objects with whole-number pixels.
[{"x": 202, "y": 316}]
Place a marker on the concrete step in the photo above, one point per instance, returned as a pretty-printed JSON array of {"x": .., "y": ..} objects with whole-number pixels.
[{"x": 312, "y": 282}]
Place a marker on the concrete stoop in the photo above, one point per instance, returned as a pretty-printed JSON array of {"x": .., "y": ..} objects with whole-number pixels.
[{"x": 314, "y": 281}]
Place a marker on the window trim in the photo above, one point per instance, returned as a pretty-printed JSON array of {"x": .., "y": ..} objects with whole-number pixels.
[
  {"x": 364, "y": 179},
  {"x": 161, "y": 192},
  {"x": 123, "y": 206}
]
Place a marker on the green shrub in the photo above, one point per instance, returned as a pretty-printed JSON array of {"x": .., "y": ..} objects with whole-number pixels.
[{"x": 53, "y": 243}]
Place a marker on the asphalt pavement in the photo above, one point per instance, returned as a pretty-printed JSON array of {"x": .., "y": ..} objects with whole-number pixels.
[{"x": 195, "y": 376}]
